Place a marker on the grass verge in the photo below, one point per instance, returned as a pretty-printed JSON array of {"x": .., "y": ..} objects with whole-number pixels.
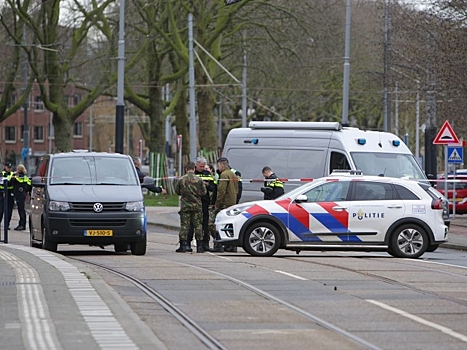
[{"x": 161, "y": 200}]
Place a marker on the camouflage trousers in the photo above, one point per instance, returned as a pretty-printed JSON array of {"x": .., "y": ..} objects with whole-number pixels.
[
  {"x": 211, "y": 225},
  {"x": 186, "y": 218}
]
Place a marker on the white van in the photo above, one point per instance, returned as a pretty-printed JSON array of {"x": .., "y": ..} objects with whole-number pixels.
[{"x": 303, "y": 150}]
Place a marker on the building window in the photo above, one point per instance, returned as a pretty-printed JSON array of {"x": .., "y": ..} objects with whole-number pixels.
[
  {"x": 78, "y": 129},
  {"x": 10, "y": 134},
  {"x": 38, "y": 105},
  {"x": 39, "y": 133}
]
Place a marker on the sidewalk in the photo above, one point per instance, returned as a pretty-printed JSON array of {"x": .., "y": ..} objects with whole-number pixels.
[{"x": 168, "y": 217}]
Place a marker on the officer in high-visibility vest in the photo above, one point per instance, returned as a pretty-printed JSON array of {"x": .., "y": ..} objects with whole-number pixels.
[
  {"x": 209, "y": 181},
  {"x": 21, "y": 189},
  {"x": 6, "y": 173},
  {"x": 273, "y": 186}
]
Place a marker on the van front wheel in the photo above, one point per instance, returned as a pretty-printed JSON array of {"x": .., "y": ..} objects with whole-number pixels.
[
  {"x": 261, "y": 239},
  {"x": 46, "y": 244},
  {"x": 139, "y": 247}
]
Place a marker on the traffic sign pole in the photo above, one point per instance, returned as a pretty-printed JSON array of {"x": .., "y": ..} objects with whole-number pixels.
[{"x": 446, "y": 172}]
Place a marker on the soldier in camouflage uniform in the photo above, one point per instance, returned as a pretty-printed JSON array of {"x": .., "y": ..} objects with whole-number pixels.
[{"x": 190, "y": 188}]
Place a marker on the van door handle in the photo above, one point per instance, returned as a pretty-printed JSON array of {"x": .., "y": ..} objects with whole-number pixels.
[
  {"x": 338, "y": 208},
  {"x": 395, "y": 206}
]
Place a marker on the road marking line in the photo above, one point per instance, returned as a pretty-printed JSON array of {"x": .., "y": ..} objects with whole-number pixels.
[
  {"x": 443, "y": 329},
  {"x": 291, "y": 275}
]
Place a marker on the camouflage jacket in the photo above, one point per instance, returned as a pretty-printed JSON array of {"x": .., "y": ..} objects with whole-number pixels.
[{"x": 190, "y": 188}]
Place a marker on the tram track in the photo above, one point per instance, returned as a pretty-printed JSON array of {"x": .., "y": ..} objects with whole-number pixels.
[{"x": 203, "y": 335}]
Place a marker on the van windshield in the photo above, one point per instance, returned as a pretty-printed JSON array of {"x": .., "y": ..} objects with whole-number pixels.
[
  {"x": 88, "y": 170},
  {"x": 388, "y": 164}
]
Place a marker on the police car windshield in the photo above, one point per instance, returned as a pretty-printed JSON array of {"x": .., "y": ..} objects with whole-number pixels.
[
  {"x": 388, "y": 164},
  {"x": 89, "y": 170}
]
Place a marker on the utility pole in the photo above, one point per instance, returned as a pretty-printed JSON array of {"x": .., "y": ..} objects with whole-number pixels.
[
  {"x": 387, "y": 67},
  {"x": 431, "y": 163},
  {"x": 244, "y": 86},
  {"x": 25, "y": 106},
  {"x": 191, "y": 77},
  {"x": 120, "y": 108},
  {"x": 345, "y": 94}
]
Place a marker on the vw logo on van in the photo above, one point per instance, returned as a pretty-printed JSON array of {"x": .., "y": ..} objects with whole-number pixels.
[{"x": 98, "y": 207}]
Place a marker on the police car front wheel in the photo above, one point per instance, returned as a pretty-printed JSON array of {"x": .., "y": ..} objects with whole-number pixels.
[
  {"x": 261, "y": 239},
  {"x": 408, "y": 241}
]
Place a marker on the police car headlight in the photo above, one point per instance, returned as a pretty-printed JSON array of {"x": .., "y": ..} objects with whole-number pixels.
[
  {"x": 233, "y": 211},
  {"x": 59, "y": 206},
  {"x": 135, "y": 206}
]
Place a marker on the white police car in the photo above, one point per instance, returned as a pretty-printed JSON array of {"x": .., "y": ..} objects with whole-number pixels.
[{"x": 345, "y": 211}]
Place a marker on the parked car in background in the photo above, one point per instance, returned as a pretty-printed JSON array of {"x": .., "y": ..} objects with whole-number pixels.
[
  {"x": 457, "y": 189},
  {"x": 344, "y": 211}
]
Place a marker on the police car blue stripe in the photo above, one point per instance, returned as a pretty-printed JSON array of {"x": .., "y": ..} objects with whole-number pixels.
[
  {"x": 330, "y": 222},
  {"x": 296, "y": 227}
]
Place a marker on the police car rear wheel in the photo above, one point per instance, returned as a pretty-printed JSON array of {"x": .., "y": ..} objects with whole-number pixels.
[
  {"x": 261, "y": 239},
  {"x": 408, "y": 241}
]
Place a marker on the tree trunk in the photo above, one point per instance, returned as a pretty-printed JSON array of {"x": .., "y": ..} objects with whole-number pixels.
[
  {"x": 207, "y": 129},
  {"x": 181, "y": 122},
  {"x": 63, "y": 132}
]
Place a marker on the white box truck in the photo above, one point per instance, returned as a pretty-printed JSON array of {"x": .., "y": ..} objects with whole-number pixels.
[{"x": 303, "y": 150}]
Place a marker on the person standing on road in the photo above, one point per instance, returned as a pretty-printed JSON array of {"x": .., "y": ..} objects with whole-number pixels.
[
  {"x": 7, "y": 174},
  {"x": 227, "y": 191},
  {"x": 208, "y": 180},
  {"x": 141, "y": 176},
  {"x": 273, "y": 186},
  {"x": 239, "y": 180},
  {"x": 190, "y": 188},
  {"x": 21, "y": 189}
]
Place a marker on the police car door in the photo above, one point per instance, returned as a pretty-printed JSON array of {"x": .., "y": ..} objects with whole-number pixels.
[
  {"x": 320, "y": 214},
  {"x": 374, "y": 207}
]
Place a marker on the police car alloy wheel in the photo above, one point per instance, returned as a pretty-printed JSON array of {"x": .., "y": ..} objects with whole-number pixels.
[
  {"x": 408, "y": 241},
  {"x": 261, "y": 239}
]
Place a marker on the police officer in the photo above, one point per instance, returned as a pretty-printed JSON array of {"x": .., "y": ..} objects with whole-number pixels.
[
  {"x": 21, "y": 189},
  {"x": 191, "y": 189},
  {"x": 7, "y": 173},
  {"x": 209, "y": 181},
  {"x": 273, "y": 186}
]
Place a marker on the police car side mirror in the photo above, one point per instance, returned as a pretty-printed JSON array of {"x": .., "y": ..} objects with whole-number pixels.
[
  {"x": 36, "y": 181},
  {"x": 301, "y": 199}
]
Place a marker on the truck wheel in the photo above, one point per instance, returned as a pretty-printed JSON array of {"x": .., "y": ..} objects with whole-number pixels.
[
  {"x": 261, "y": 239},
  {"x": 46, "y": 244},
  {"x": 408, "y": 241},
  {"x": 139, "y": 247}
]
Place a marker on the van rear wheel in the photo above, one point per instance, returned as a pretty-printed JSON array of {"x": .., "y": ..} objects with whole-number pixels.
[{"x": 139, "y": 247}]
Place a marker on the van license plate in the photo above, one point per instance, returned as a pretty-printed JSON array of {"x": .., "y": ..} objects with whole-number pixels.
[{"x": 98, "y": 233}]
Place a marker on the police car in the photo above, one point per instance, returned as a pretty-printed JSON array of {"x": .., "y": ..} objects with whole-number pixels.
[{"x": 344, "y": 211}]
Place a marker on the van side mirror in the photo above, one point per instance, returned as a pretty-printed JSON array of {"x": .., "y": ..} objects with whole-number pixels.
[
  {"x": 147, "y": 182},
  {"x": 36, "y": 181}
]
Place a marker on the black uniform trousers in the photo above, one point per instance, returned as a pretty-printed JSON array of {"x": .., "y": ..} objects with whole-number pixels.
[
  {"x": 20, "y": 202},
  {"x": 11, "y": 203},
  {"x": 206, "y": 235}
]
